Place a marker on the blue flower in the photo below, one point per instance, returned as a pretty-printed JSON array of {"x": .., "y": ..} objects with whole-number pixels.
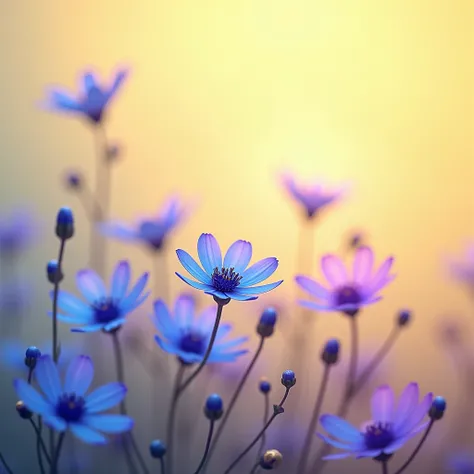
[
  {"x": 92, "y": 99},
  {"x": 18, "y": 230},
  {"x": 187, "y": 336},
  {"x": 460, "y": 463},
  {"x": 389, "y": 429},
  {"x": 151, "y": 231},
  {"x": 229, "y": 278},
  {"x": 66, "y": 406},
  {"x": 103, "y": 310}
]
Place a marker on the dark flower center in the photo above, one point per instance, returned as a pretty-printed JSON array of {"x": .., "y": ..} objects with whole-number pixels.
[
  {"x": 225, "y": 279},
  {"x": 347, "y": 295},
  {"x": 152, "y": 233},
  {"x": 70, "y": 407},
  {"x": 94, "y": 104},
  {"x": 106, "y": 311},
  {"x": 378, "y": 436},
  {"x": 192, "y": 342}
]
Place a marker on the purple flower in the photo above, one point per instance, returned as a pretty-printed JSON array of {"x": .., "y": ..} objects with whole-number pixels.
[
  {"x": 347, "y": 292},
  {"x": 104, "y": 310},
  {"x": 151, "y": 231},
  {"x": 92, "y": 99},
  {"x": 460, "y": 463},
  {"x": 389, "y": 429},
  {"x": 313, "y": 197},
  {"x": 18, "y": 230},
  {"x": 463, "y": 270},
  {"x": 229, "y": 278},
  {"x": 66, "y": 406}
]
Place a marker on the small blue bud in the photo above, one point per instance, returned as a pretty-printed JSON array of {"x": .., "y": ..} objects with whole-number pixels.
[
  {"x": 266, "y": 325},
  {"x": 23, "y": 411},
  {"x": 32, "y": 354},
  {"x": 404, "y": 317},
  {"x": 74, "y": 180},
  {"x": 65, "y": 223},
  {"x": 264, "y": 386},
  {"x": 288, "y": 378},
  {"x": 330, "y": 354},
  {"x": 438, "y": 407},
  {"x": 214, "y": 407},
  {"x": 53, "y": 272},
  {"x": 157, "y": 449}
]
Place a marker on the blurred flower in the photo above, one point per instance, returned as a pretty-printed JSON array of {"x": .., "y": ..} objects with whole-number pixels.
[
  {"x": 15, "y": 296},
  {"x": 389, "y": 429},
  {"x": 313, "y": 197},
  {"x": 151, "y": 231},
  {"x": 460, "y": 463},
  {"x": 231, "y": 278},
  {"x": 347, "y": 293},
  {"x": 18, "y": 230},
  {"x": 103, "y": 310},
  {"x": 91, "y": 100},
  {"x": 67, "y": 406},
  {"x": 187, "y": 336},
  {"x": 463, "y": 270}
]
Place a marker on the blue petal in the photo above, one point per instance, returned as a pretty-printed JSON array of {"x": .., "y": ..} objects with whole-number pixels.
[
  {"x": 184, "y": 310},
  {"x": 168, "y": 347},
  {"x": 70, "y": 319},
  {"x": 105, "y": 397},
  {"x": 192, "y": 267},
  {"x": 131, "y": 306},
  {"x": 338, "y": 444},
  {"x": 195, "y": 284},
  {"x": 53, "y": 421},
  {"x": 312, "y": 287},
  {"x": 31, "y": 398},
  {"x": 136, "y": 291},
  {"x": 72, "y": 305},
  {"x": 162, "y": 319},
  {"x": 91, "y": 285},
  {"x": 63, "y": 100},
  {"x": 316, "y": 306},
  {"x": 120, "y": 280},
  {"x": 89, "y": 81},
  {"x": 109, "y": 423},
  {"x": 205, "y": 322},
  {"x": 217, "y": 356},
  {"x": 223, "y": 331},
  {"x": 118, "y": 230},
  {"x": 79, "y": 375},
  {"x": 331, "y": 457},
  {"x": 218, "y": 294},
  {"x": 120, "y": 77},
  {"x": 47, "y": 377},
  {"x": 259, "y": 271},
  {"x": 209, "y": 253},
  {"x": 340, "y": 429},
  {"x": 223, "y": 346},
  {"x": 89, "y": 328},
  {"x": 114, "y": 324},
  {"x": 238, "y": 256},
  {"x": 239, "y": 297},
  {"x": 257, "y": 290},
  {"x": 87, "y": 434}
]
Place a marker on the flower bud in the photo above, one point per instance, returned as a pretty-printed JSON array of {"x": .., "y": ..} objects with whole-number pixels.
[
  {"x": 32, "y": 354},
  {"x": 271, "y": 459},
  {"x": 213, "y": 409},
  {"x": 54, "y": 272},
  {"x": 23, "y": 411},
  {"x": 404, "y": 317},
  {"x": 157, "y": 449},
  {"x": 267, "y": 322},
  {"x": 288, "y": 378},
  {"x": 65, "y": 223},
  {"x": 264, "y": 386},
  {"x": 330, "y": 354},
  {"x": 438, "y": 407}
]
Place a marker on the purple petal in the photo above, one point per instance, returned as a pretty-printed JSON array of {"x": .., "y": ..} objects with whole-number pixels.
[
  {"x": 120, "y": 280},
  {"x": 136, "y": 291},
  {"x": 195, "y": 284},
  {"x": 192, "y": 267},
  {"x": 238, "y": 256},
  {"x": 334, "y": 270},
  {"x": 47, "y": 377},
  {"x": 89, "y": 81},
  {"x": 316, "y": 306},
  {"x": 105, "y": 397},
  {"x": 33, "y": 400},
  {"x": 417, "y": 414},
  {"x": 312, "y": 287},
  {"x": 382, "y": 404},
  {"x": 331, "y": 457},
  {"x": 381, "y": 274},
  {"x": 64, "y": 100},
  {"x": 338, "y": 444},
  {"x": 340, "y": 429},
  {"x": 363, "y": 263},
  {"x": 209, "y": 253},
  {"x": 395, "y": 445},
  {"x": 184, "y": 310},
  {"x": 87, "y": 434},
  {"x": 119, "y": 79},
  {"x": 407, "y": 403},
  {"x": 79, "y": 375},
  {"x": 257, "y": 290},
  {"x": 90, "y": 285},
  {"x": 259, "y": 271}
]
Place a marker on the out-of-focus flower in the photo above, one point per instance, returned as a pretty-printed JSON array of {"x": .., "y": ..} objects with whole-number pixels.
[
  {"x": 18, "y": 230},
  {"x": 151, "y": 231},
  {"x": 66, "y": 406},
  {"x": 15, "y": 296},
  {"x": 389, "y": 429},
  {"x": 183, "y": 334},
  {"x": 91, "y": 100},
  {"x": 347, "y": 292},
  {"x": 463, "y": 270},
  {"x": 313, "y": 197},
  {"x": 228, "y": 279},
  {"x": 102, "y": 310},
  {"x": 460, "y": 463}
]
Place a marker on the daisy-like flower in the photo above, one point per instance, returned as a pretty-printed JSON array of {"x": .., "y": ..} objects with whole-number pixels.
[
  {"x": 92, "y": 99},
  {"x": 312, "y": 197},
  {"x": 390, "y": 428},
  {"x": 229, "y": 278},
  {"x": 151, "y": 231},
  {"x": 102, "y": 310},
  {"x": 463, "y": 270},
  {"x": 183, "y": 334},
  {"x": 66, "y": 406},
  {"x": 347, "y": 292}
]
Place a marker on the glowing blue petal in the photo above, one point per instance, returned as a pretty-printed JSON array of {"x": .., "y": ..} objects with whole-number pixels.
[
  {"x": 259, "y": 271},
  {"x": 341, "y": 429},
  {"x": 117, "y": 230},
  {"x": 130, "y": 306},
  {"x": 257, "y": 290},
  {"x": 105, "y": 397},
  {"x": 195, "y": 284},
  {"x": 238, "y": 256},
  {"x": 120, "y": 77},
  {"x": 192, "y": 267},
  {"x": 63, "y": 101},
  {"x": 71, "y": 319},
  {"x": 47, "y": 377},
  {"x": 240, "y": 297},
  {"x": 31, "y": 398},
  {"x": 72, "y": 305},
  {"x": 53, "y": 421},
  {"x": 136, "y": 291},
  {"x": 91, "y": 285},
  {"x": 87, "y": 434},
  {"x": 114, "y": 324},
  {"x": 184, "y": 308},
  {"x": 89, "y": 81},
  {"x": 223, "y": 346},
  {"x": 209, "y": 253},
  {"x": 338, "y": 444},
  {"x": 79, "y": 375},
  {"x": 89, "y": 328},
  {"x": 162, "y": 319},
  {"x": 112, "y": 424},
  {"x": 120, "y": 280}
]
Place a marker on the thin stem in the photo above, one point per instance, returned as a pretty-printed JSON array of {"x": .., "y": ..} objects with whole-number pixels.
[
  {"x": 385, "y": 467},
  {"x": 266, "y": 414},
  {"x": 234, "y": 398},
  {"x": 123, "y": 409},
  {"x": 162, "y": 465},
  {"x": 277, "y": 410},
  {"x": 40, "y": 445},
  {"x": 206, "y": 449},
  {"x": 5, "y": 465},
  {"x": 55, "y": 301},
  {"x": 314, "y": 420},
  {"x": 417, "y": 449},
  {"x": 255, "y": 468},
  {"x": 172, "y": 416},
  {"x": 30, "y": 374},
  {"x": 351, "y": 376},
  {"x": 57, "y": 454}
]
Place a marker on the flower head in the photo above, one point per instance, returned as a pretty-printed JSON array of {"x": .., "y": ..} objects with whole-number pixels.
[
  {"x": 463, "y": 270},
  {"x": 183, "y": 334},
  {"x": 229, "y": 278},
  {"x": 66, "y": 406},
  {"x": 151, "y": 231},
  {"x": 313, "y": 197},
  {"x": 102, "y": 310},
  {"x": 390, "y": 428},
  {"x": 347, "y": 292},
  {"x": 18, "y": 230},
  {"x": 92, "y": 99}
]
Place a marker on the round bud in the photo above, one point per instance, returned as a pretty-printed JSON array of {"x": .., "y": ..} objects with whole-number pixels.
[
  {"x": 73, "y": 180},
  {"x": 214, "y": 407},
  {"x": 264, "y": 386},
  {"x": 53, "y": 272},
  {"x": 65, "y": 223},
  {"x": 23, "y": 411},
  {"x": 114, "y": 151},
  {"x": 32, "y": 354},
  {"x": 330, "y": 354},
  {"x": 288, "y": 378},
  {"x": 157, "y": 449},
  {"x": 438, "y": 407},
  {"x": 403, "y": 317},
  {"x": 267, "y": 322},
  {"x": 271, "y": 459}
]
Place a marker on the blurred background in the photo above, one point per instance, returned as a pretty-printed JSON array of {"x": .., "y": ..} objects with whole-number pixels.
[{"x": 222, "y": 97}]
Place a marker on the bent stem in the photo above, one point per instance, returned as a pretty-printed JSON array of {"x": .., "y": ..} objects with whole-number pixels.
[
  {"x": 206, "y": 449},
  {"x": 255, "y": 468},
  {"x": 266, "y": 412},
  {"x": 314, "y": 420},
  {"x": 5, "y": 464},
  {"x": 40, "y": 446},
  {"x": 57, "y": 454},
  {"x": 277, "y": 410},
  {"x": 234, "y": 398}
]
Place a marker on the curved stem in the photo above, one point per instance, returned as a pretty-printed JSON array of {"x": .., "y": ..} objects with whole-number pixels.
[
  {"x": 234, "y": 398},
  {"x": 5, "y": 465},
  {"x": 417, "y": 449},
  {"x": 255, "y": 468},
  {"x": 206, "y": 450},
  {"x": 277, "y": 410},
  {"x": 266, "y": 412},
  {"x": 172, "y": 416},
  {"x": 384, "y": 467},
  {"x": 40, "y": 446},
  {"x": 314, "y": 420},
  {"x": 57, "y": 454}
]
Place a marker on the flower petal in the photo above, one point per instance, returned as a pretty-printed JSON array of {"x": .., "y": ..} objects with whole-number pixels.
[
  {"x": 162, "y": 319},
  {"x": 89, "y": 328},
  {"x": 341, "y": 429},
  {"x": 209, "y": 253},
  {"x": 417, "y": 415},
  {"x": 334, "y": 270},
  {"x": 312, "y": 287},
  {"x": 257, "y": 290},
  {"x": 236, "y": 296},
  {"x": 72, "y": 305},
  {"x": 316, "y": 306},
  {"x": 195, "y": 284},
  {"x": 259, "y": 271},
  {"x": 380, "y": 275},
  {"x": 109, "y": 423},
  {"x": 363, "y": 263},
  {"x": 238, "y": 256},
  {"x": 91, "y": 285},
  {"x": 33, "y": 400},
  {"x": 120, "y": 280},
  {"x": 86, "y": 434},
  {"x": 79, "y": 375},
  {"x": 135, "y": 292},
  {"x": 184, "y": 310},
  {"x": 105, "y": 397},
  {"x": 47, "y": 377},
  {"x": 53, "y": 421},
  {"x": 338, "y": 444},
  {"x": 407, "y": 402},
  {"x": 382, "y": 404},
  {"x": 193, "y": 267}
]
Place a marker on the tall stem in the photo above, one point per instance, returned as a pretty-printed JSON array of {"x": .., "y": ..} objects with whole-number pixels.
[
  {"x": 385, "y": 467},
  {"x": 206, "y": 449},
  {"x": 4, "y": 463},
  {"x": 57, "y": 454},
  {"x": 266, "y": 414}
]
